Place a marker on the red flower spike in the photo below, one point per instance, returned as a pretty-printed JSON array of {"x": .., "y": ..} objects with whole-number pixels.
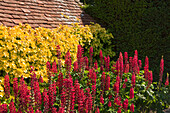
[
  {"x": 7, "y": 86},
  {"x": 15, "y": 87},
  {"x": 167, "y": 80},
  {"x": 126, "y": 69},
  {"x": 136, "y": 53},
  {"x": 118, "y": 67},
  {"x": 150, "y": 77},
  {"x": 119, "y": 110},
  {"x": 107, "y": 82},
  {"x": 131, "y": 93},
  {"x": 135, "y": 65},
  {"x": 101, "y": 99},
  {"x": 46, "y": 101},
  {"x": 41, "y": 79},
  {"x": 147, "y": 62},
  {"x": 121, "y": 65},
  {"x": 132, "y": 107},
  {"x": 79, "y": 57},
  {"x": 95, "y": 65},
  {"x": 48, "y": 66},
  {"x": 130, "y": 63},
  {"x": 12, "y": 107},
  {"x": 126, "y": 57},
  {"x": 161, "y": 69},
  {"x": 3, "y": 108},
  {"x": 110, "y": 104},
  {"x": 86, "y": 62},
  {"x": 103, "y": 80},
  {"x": 140, "y": 63},
  {"x": 75, "y": 66},
  {"x": 91, "y": 54},
  {"x": 97, "y": 110},
  {"x": 54, "y": 67},
  {"x": 116, "y": 88},
  {"x": 101, "y": 57},
  {"x": 54, "y": 110},
  {"x": 125, "y": 105}
]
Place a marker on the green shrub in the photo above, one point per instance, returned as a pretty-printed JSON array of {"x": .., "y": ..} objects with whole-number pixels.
[{"x": 102, "y": 40}]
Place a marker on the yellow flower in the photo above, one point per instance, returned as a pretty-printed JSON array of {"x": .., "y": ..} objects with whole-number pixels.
[
  {"x": 1, "y": 94},
  {"x": 1, "y": 89}
]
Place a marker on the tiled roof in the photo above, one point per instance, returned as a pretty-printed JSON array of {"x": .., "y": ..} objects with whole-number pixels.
[{"x": 42, "y": 13}]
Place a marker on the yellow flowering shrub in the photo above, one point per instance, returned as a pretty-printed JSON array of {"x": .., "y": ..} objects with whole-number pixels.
[{"x": 22, "y": 46}]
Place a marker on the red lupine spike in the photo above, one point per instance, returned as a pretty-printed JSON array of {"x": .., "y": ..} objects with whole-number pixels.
[
  {"x": 121, "y": 65},
  {"x": 126, "y": 69},
  {"x": 140, "y": 63},
  {"x": 12, "y": 107},
  {"x": 48, "y": 65},
  {"x": 3, "y": 108},
  {"x": 101, "y": 57},
  {"x": 101, "y": 68},
  {"x": 101, "y": 99},
  {"x": 91, "y": 56},
  {"x": 107, "y": 83},
  {"x": 125, "y": 105},
  {"x": 167, "y": 80},
  {"x": 130, "y": 63},
  {"x": 118, "y": 67},
  {"x": 51, "y": 96},
  {"x": 132, "y": 107},
  {"x": 119, "y": 110},
  {"x": 126, "y": 57},
  {"x": 95, "y": 65},
  {"x": 147, "y": 62},
  {"x": 131, "y": 93},
  {"x": 150, "y": 77},
  {"x": 75, "y": 66},
  {"x": 29, "y": 110},
  {"x": 108, "y": 61},
  {"x": 97, "y": 110},
  {"x": 68, "y": 63},
  {"x": 118, "y": 79},
  {"x": 15, "y": 87},
  {"x": 135, "y": 65},
  {"x": 161, "y": 69},
  {"x": 54, "y": 110},
  {"x": 79, "y": 57},
  {"x": 46, "y": 101},
  {"x": 37, "y": 94},
  {"x": 110, "y": 104},
  {"x": 103, "y": 80},
  {"x": 41, "y": 79},
  {"x": 86, "y": 62},
  {"x": 7, "y": 86},
  {"x": 54, "y": 67},
  {"x": 136, "y": 54},
  {"x": 116, "y": 88}
]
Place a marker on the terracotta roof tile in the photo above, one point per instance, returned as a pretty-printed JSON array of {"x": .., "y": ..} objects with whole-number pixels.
[{"x": 42, "y": 13}]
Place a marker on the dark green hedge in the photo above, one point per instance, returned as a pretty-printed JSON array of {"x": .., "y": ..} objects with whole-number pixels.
[{"x": 137, "y": 24}]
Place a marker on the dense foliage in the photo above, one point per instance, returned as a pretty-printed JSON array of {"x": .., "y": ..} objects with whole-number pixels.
[
  {"x": 22, "y": 46},
  {"x": 102, "y": 40},
  {"x": 88, "y": 88},
  {"x": 136, "y": 24}
]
